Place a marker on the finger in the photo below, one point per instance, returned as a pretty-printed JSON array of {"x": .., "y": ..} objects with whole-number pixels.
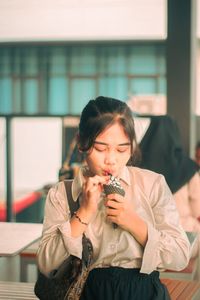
[
  {"x": 95, "y": 187},
  {"x": 116, "y": 197},
  {"x": 112, "y": 219},
  {"x": 111, "y": 212},
  {"x": 90, "y": 186},
  {"x": 95, "y": 183},
  {"x": 102, "y": 179},
  {"x": 88, "y": 189},
  {"x": 113, "y": 204},
  {"x": 96, "y": 180}
]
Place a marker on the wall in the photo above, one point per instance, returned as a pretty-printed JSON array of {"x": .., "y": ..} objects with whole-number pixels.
[{"x": 36, "y": 20}]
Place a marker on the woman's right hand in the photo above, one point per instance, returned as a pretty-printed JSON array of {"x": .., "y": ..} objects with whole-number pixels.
[{"x": 91, "y": 191}]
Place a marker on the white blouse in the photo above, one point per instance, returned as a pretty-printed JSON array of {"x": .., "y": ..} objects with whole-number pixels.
[{"x": 167, "y": 246}]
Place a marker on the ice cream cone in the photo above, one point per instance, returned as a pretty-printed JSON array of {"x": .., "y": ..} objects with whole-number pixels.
[{"x": 113, "y": 187}]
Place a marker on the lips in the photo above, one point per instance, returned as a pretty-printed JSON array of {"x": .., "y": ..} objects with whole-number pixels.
[{"x": 108, "y": 172}]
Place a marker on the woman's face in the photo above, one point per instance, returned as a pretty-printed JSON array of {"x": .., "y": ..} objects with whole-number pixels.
[{"x": 110, "y": 152}]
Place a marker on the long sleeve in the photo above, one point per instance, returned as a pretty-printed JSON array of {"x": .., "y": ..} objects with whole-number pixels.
[
  {"x": 57, "y": 243},
  {"x": 167, "y": 246}
]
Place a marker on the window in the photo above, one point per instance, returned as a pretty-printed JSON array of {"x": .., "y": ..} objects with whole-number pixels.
[{"x": 59, "y": 80}]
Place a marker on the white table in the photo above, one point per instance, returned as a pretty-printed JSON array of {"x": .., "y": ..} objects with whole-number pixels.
[{"x": 15, "y": 237}]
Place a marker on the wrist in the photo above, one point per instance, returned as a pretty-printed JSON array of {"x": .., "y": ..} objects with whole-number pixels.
[
  {"x": 79, "y": 219},
  {"x": 84, "y": 216}
]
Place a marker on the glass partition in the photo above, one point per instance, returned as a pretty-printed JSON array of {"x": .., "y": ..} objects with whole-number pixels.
[
  {"x": 34, "y": 149},
  {"x": 37, "y": 152},
  {"x": 2, "y": 159}
]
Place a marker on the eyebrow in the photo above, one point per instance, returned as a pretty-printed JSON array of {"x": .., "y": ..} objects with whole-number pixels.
[{"x": 105, "y": 144}]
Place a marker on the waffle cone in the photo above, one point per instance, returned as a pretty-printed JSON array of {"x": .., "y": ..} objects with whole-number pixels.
[{"x": 110, "y": 189}]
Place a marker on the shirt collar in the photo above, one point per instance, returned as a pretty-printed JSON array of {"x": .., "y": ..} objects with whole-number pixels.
[
  {"x": 79, "y": 180},
  {"x": 125, "y": 175}
]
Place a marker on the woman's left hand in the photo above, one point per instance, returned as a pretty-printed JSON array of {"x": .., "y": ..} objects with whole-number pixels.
[{"x": 119, "y": 210}]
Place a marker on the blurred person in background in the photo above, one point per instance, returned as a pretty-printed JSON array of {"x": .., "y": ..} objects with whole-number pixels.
[{"x": 162, "y": 152}]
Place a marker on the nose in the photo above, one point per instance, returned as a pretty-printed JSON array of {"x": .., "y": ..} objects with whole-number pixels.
[{"x": 110, "y": 158}]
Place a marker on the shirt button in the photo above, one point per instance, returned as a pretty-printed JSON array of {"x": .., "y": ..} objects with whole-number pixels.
[{"x": 112, "y": 247}]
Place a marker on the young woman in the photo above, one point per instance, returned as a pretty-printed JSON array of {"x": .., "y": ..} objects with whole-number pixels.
[{"x": 147, "y": 236}]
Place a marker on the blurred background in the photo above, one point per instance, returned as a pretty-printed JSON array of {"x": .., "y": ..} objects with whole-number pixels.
[{"x": 56, "y": 55}]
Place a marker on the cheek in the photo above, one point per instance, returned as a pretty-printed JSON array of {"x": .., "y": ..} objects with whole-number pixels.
[
  {"x": 93, "y": 159},
  {"x": 94, "y": 164},
  {"x": 126, "y": 159},
  {"x": 126, "y": 156}
]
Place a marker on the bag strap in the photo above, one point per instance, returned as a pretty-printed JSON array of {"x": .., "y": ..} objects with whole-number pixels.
[
  {"x": 87, "y": 253},
  {"x": 73, "y": 205}
]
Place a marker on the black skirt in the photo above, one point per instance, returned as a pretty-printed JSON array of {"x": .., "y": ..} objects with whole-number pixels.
[{"x": 116, "y": 283}]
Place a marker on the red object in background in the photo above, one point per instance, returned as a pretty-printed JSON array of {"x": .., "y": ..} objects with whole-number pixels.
[{"x": 20, "y": 205}]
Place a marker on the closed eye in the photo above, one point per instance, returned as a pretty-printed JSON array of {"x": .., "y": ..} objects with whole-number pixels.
[
  {"x": 123, "y": 148},
  {"x": 100, "y": 148}
]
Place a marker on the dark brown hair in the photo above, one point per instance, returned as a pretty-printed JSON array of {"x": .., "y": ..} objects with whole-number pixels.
[{"x": 103, "y": 112}]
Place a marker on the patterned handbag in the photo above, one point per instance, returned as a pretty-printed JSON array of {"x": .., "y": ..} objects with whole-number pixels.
[{"x": 67, "y": 282}]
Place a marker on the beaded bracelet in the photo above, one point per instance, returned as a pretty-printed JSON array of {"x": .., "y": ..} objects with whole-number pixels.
[{"x": 76, "y": 216}]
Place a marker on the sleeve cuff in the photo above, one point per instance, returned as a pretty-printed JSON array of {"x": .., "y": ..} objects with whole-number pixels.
[
  {"x": 72, "y": 244},
  {"x": 150, "y": 250}
]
